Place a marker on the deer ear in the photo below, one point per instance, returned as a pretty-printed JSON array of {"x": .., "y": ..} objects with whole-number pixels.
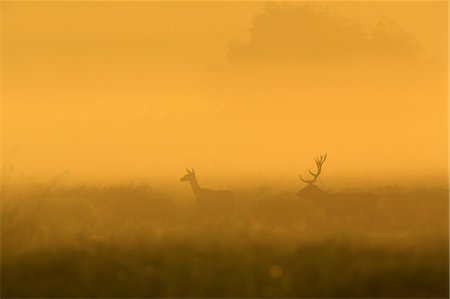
[
  {"x": 188, "y": 170},
  {"x": 193, "y": 170}
]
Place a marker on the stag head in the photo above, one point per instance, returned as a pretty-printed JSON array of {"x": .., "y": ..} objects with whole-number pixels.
[
  {"x": 319, "y": 161},
  {"x": 311, "y": 190}
]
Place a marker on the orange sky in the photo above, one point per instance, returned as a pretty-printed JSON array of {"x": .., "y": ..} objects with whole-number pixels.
[{"x": 117, "y": 90}]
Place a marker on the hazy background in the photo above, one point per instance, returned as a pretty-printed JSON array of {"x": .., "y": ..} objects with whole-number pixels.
[
  {"x": 104, "y": 105},
  {"x": 116, "y": 91}
]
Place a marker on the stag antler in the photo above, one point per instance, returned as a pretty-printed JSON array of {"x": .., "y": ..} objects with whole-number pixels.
[{"x": 319, "y": 161}]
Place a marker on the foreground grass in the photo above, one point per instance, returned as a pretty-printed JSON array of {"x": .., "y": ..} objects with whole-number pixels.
[
  {"x": 135, "y": 242},
  {"x": 325, "y": 269}
]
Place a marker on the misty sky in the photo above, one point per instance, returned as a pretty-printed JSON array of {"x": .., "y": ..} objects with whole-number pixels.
[{"x": 116, "y": 90}]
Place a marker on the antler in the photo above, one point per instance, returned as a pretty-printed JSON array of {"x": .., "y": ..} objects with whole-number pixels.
[{"x": 319, "y": 161}]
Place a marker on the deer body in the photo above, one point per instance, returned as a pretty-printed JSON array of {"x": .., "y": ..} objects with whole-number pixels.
[
  {"x": 207, "y": 199},
  {"x": 341, "y": 204}
]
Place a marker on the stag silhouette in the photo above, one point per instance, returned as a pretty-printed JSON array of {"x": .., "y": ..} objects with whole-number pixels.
[
  {"x": 341, "y": 204},
  {"x": 211, "y": 201}
]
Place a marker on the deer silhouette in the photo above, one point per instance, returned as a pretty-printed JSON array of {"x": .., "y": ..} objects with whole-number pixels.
[
  {"x": 212, "y": 201},
  {"x": 341, "y": 204}
]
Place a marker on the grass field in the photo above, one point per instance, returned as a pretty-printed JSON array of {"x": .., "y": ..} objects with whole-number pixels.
[{"x": 134, "y": 241}]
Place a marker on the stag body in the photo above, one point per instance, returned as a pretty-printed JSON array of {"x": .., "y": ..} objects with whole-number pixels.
[
  {"x": 207, "y": 199},
  {"x": 342, "y": 204}
]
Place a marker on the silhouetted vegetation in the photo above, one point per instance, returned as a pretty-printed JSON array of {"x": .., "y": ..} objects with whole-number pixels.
[{"x": 134, "y": 241}]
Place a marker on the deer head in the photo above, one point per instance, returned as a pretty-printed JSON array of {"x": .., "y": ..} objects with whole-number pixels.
[
  {"x": 311, "y": 191},
  {"x": 319, "y": 161},
  {"x": 189, "y": 177}
]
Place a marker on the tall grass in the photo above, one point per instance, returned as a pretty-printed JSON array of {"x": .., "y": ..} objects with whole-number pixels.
[{"x": 134, "y": 241}]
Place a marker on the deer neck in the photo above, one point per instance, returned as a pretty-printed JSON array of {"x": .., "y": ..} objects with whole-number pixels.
[{"x": 195, "y": 186}]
